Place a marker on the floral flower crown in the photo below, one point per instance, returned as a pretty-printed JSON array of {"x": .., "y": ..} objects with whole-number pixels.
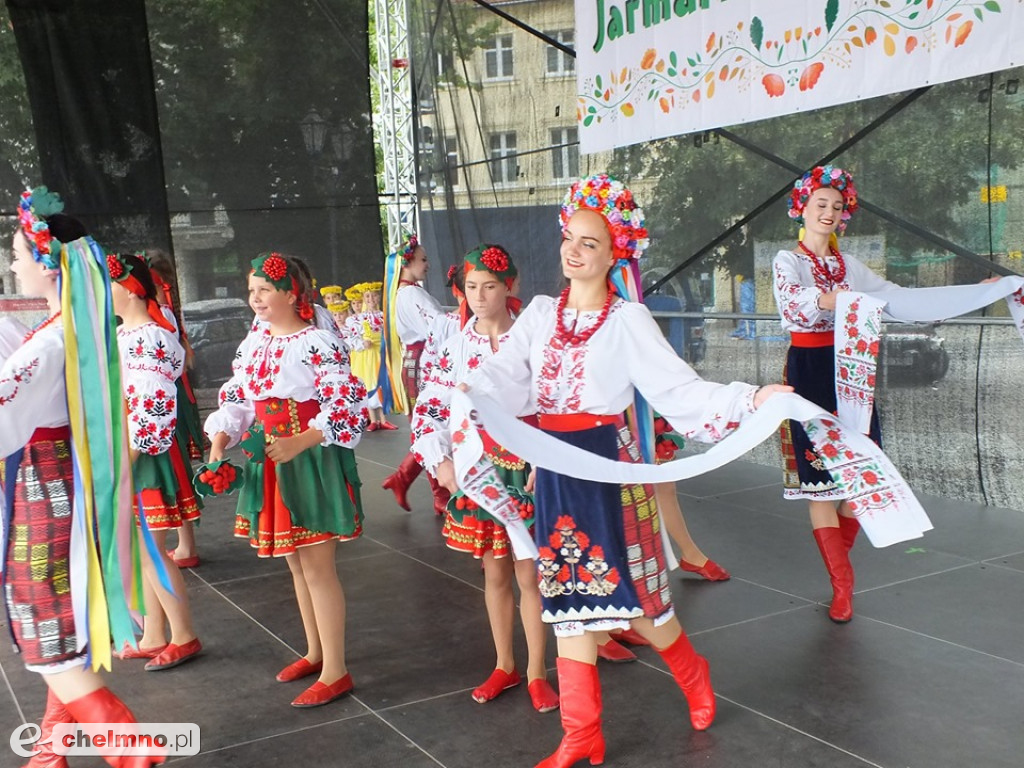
[
  {"x": 406, "y": 250},
  {"x": 355, "y": 293},
  {"x": 610, "y": 198},
  {"x": 33, "y": 206},
  {"x": 449, "y": 279},
  {"x": 273, "y": 268},
  {"x": 330, "y": 290},
  {"x": 494, "y": 259},
  {"x": 815, "y": 179}
]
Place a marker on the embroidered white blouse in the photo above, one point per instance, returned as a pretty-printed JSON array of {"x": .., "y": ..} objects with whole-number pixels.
[
  {"x": 310, "y": 364},
  {"x": 444, "y": 325},
  {"x": 415, "y": 310},
  {"x": 455, "y": 360},
  {"x": 796, "y": 294},
  {"x": 32, "y": 389},
  {"x": 530, "y": 373},
  {"x": 151, "y": 362}
]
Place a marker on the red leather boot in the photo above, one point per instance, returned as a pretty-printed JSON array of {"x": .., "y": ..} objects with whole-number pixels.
[
  {"x": 837, "y": 560},
  {"x": 441, "y": 496},
  {"x": 850, "y": 527},
  {"x": 55, "y": 714},
  {"x": 694, "y": 678},
  {"x": 579, "y": 691},
  {"x": 399, "y": 481},
  {"x": 102, "y": 706}
]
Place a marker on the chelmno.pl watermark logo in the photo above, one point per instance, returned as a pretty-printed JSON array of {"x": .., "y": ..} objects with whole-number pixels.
[{"x": 109, "y": 739}]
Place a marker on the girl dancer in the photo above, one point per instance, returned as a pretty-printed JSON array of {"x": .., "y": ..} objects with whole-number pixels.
[
  {"x": 489, "y": 274},
  {"x": 293, "y": 385},
  {"x": 364, "y": 329},
  {"x": 189, "y": 427},
  {"x": 62, "y": 491},
  {"x": 151, "y": 363},
  {"x": 577, "y": 361},
  {"x": 806, "y": 281},
  {"x": 409, "y": 315}
]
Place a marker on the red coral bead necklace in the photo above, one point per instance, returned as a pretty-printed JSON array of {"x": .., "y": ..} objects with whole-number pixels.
[
  {"x": 820, "y": 270},
  {"x": 569, "y": 335}
]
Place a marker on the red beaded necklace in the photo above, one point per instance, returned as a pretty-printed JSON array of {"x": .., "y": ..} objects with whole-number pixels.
[
  {"x": 48, "y": 321},
  {"x": 823, "y": 276},
  {"x": 569, "y": 335}
]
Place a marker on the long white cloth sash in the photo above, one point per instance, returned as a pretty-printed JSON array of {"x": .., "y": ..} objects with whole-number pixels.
[
  {"x": 877, "y": 493},
  {"x": 858, "y": 330}
]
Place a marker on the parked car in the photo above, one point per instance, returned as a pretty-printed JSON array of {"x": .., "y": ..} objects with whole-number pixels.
[
  {"x": 215, "y": 328},
  {"x": 911, "y": 355}
]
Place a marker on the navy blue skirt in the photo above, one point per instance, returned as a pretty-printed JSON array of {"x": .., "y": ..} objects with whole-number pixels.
[
  {"x": 601, "y": 557},
  {"x": 811, "y": 373}
]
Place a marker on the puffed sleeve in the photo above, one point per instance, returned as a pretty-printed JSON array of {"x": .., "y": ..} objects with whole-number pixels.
[
  {"x": 12, "y": 334},
  {"x": 343, "y": 413},
  {"x": 151, "y": 361},
  {"x": 235, "y": 411},
  {"x": 30, "y": 379},
  {"x": 506, "y": 377},
  {"x": 431, "y": 440},
  {"x": 354, "y": 333},
  {"x": 415, "y": 311},
  {"x": 440, "y": 330},
  {"x": 697, "y": 409},
  {"x": 862, "y": 278},
  {"x": 798, "y": 303}
]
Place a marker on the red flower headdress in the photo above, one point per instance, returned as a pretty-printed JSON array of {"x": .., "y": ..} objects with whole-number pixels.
[
  {"x": 273, "y": 267},
  {"x": 487, "y": 257}
]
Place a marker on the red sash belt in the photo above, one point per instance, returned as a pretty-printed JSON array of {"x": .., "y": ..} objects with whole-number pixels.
[
  {"x": 575, "y": 422},
  {"x": 812, "y": 340},
  {"x": 44, "y": 434},
  {"x": 285, "y": 417}
]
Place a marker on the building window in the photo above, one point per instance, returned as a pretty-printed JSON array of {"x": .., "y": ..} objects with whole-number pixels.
[
  {"x": 451, "y": 162},
  {"x": 445, "y": 66},
  {"x": 565, "y": 153},
  {"x": 559, "y": 62},
  {"x": 504, "y": 165},
  {"x": 498, "y": 57}
]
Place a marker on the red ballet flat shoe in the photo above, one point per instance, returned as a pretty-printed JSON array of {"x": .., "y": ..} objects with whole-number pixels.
[
  {"x": 175, "y": 655},
  {"x": 710, "y": 571},
  {"x": 184, "y": 562},
  {"x": 387, "y": 425},
  {"x": 373, "y": 426},
  {"x": 128, "y": 652},
  {"x": 629, "y": 636},
  {"x": 499, "y": 681},
  {"x": 298, "y": 670},
  {"x": 543, "y": 695},
  {"x": 319, "y": 693},
  {"x": 615, "y": 653}
]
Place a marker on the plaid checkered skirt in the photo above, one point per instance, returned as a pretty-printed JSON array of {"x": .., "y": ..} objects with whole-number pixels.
[
  {"x": 37, "y": 584},
  {"x": 411, "y": 355}
]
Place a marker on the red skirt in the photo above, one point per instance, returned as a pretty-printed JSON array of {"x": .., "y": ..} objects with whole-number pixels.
[
  {"x": 37, "y": 575},
  {"x": 168, "y": 497},
  {"x": 277, "y": 534}
]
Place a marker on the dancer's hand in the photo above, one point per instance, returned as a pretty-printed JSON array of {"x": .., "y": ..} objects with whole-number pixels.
[
  {"x": 281, "y": 450},
  {"x": 445, "y": 476},
  {"x": 464, "y": 387},
  {"x": 531, "y": 481},
  {"x": 217, "y": 445},
  {"x": 828, "y": 300},
  {"x": 767, "y": 391},
  {"x": 995, "y": 279}
]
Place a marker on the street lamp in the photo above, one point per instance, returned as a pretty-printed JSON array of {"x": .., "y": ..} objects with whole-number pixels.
[{"x": 327, "y": 171}]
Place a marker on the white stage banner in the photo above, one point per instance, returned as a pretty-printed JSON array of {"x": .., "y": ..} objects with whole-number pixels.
[{"x": 647, "y": 69}]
